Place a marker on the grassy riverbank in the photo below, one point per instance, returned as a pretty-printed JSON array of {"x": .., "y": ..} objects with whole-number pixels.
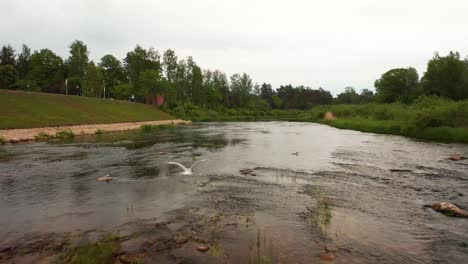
[
  {"x": 428, "y": 118},
  {"x": 20, "y": 109}
]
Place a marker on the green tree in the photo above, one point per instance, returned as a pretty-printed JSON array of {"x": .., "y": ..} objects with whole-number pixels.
[
  {"x": 113, "y": 72},
  {"x": 170, "y": 65},
  {"x": 122, "y": 91},
  {"x": 93, "y": 81},
  {"x": 7, "y": 55},
  {"x": 8, "y": 76},
  {"x": 241, "y": 88},
  {"x": 24, "y": 62},
  {"x": 367, "y": 96},
  {"x": 350, "y": 96},
  {"x": 445, "y": 76},
  {"x": 150, "y": 83},
  {"x": 397, "y": 84},
  {"x": 138, "y": 61},
  {"x": 46, "y": 71},
  {"x": 77, "y": 63},
  {"x": 199, "y": 91}
]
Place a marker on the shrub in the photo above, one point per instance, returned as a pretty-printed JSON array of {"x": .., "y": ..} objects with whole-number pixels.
[
  {"x": 2, "y": 141},
  {"x": 99, "y": 132},
  {"x": 41, "y": 136},
  {"x": 64, "y": 134}
]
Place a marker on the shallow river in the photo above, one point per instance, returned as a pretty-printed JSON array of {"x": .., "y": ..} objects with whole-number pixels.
[{"x": 338, "y": 194}]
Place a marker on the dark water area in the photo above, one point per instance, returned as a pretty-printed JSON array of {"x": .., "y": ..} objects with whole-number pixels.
[{"x": 337, "y": 195}]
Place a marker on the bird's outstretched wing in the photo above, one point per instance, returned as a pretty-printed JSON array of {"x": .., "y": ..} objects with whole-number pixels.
[
  {"x": 178, "y": 164},
  {"x": 193, "y": 165}
]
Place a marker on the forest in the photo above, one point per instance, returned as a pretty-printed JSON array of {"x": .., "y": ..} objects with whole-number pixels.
[{"x": 186, "y": 85}]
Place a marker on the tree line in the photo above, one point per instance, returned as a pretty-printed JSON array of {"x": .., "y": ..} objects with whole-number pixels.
[{"x": 146, "y": 71}]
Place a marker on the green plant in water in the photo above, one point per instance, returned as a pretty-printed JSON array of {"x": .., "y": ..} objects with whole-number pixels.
[
  {"x": 261, "y": 250},
  {"x": 41, "y": 136},
  {"x": 322, "y": 216},
  {"x": 100, "y": 252},
  {"x": 216, "y": 250},
  {"x": 64, "y": 134},
  {"x": 148, "y": 128}
]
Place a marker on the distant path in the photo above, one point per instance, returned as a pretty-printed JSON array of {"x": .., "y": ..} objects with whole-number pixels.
[{"x": 27, "y": 134}]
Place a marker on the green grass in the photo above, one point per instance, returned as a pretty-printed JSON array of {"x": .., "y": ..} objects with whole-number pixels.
[
  {"x": 429, "y": 118},
  {"x": 19, "y": 109},
  {"x": 100, "y": 252}
]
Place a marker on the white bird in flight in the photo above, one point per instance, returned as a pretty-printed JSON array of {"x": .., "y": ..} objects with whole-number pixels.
[{"x": 187, "y": 171}]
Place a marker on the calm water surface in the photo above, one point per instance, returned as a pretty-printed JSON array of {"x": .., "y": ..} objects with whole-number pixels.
[{"x": 338, "y": 191}]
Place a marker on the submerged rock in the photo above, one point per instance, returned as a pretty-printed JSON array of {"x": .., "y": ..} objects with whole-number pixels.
[
  {"x": 456, "y": 157},
  {"x": 106, "y": 178},
  {"x": 203, "y": 248},
  {"x": 327, "y": 256},
  {"x": 130, "y": 258},
  {"x": 449, "y": 209}
]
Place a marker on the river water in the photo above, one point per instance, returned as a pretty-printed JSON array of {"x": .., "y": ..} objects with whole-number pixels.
[{"x": 338, "y": 194}]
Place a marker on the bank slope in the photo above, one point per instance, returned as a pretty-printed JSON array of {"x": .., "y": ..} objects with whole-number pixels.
[{"x": 20, "y": 109}]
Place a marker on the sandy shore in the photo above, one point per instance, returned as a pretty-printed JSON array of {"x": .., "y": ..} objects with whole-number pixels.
[{"x": 27, "y": 134}]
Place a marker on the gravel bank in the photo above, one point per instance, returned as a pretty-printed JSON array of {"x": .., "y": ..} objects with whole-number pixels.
[{"x": 17, "y": 135}]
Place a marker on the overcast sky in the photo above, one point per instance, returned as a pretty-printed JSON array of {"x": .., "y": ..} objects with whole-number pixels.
[{"x": 332, "y": 44}]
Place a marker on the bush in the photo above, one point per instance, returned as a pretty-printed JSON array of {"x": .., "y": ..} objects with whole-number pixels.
[
  {"x": 42, "y": 136},
  {"x": 64, "y": 134},
  {"x": 2, "y": 141},
  {"x": 99, "y": 132}
]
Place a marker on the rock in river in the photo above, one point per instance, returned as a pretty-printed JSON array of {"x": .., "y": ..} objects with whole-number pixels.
[{"x": 449, "y": 209}]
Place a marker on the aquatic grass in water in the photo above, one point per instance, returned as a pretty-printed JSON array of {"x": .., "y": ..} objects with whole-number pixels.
[
  {"x": 42, "y": 136},
  {"x": 153, "y": 128},
  {"x": 100, "y": 252},
  {"x": 261, "y": 251},
  {"x": 65, "y": 134}
]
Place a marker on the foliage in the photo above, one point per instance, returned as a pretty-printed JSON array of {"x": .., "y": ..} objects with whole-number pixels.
[
  {"x": 350, "y": 96},
  {"x": 138, "y": 61},
  {"x": 99, "y": 132},
  {"x": 8, "y": 76},
  {"x": 122, "y": 91},
  {"x": 77, "y": 63},
  {"x": 302, "y": 97},
  {"x": 100, "y": 252},
  {"x": 2, "y": 141},
  {"x": 152, "y": 128},
  {"x": 7, "y": 55},
  {"x": 112, "y": 72},
  {"x": 64, "y": 134},
  {"x": 447, "y": 77},
  {"x": 23, "y": 64},
  {"x": 46, "y": 71},
  {"x": 397, "y": 85},
  {"x": 42, "y": 136},
  {"x": 93, "y": 81}
]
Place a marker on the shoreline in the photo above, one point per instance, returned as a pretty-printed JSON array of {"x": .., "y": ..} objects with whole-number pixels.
[{"x": 28, "y": 134}]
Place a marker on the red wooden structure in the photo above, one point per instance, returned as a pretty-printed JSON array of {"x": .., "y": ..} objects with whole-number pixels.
[{"x": 156, "y": 99}]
